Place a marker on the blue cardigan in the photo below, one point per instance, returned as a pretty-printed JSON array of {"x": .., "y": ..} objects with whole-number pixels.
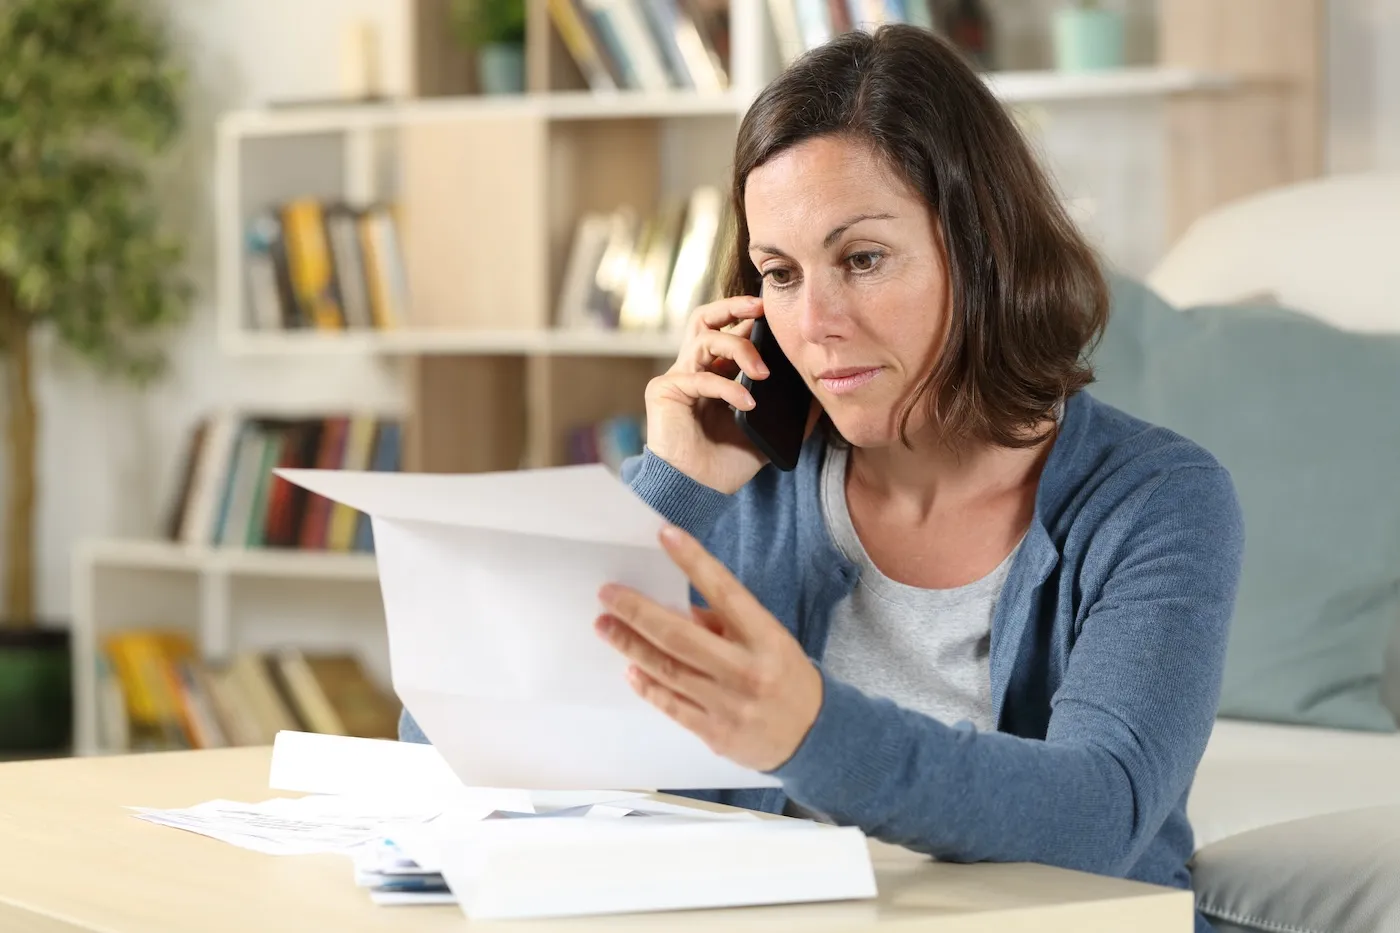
[{"x": 1107, "y": 648}]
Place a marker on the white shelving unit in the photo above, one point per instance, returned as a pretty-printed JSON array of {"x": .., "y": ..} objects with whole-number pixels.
[
  {"x": 1017, "y": 87},
  {"x": 426, "y": 342},
  {"x": 1044, "y": 87},
  {"x": 137, "y": 554}
]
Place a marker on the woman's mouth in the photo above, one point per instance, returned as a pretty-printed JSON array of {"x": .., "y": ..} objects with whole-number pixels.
[{"x": 848, "y": 379}]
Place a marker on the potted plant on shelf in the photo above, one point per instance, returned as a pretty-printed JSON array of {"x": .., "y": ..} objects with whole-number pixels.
[
  {"x": 88, "y": 94},
  {"x": 1088, "y": 37},
  {"x": 495, "y": 30}
]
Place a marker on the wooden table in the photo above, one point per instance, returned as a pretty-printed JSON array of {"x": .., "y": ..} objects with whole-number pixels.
[{"x": 74, "y": 860}]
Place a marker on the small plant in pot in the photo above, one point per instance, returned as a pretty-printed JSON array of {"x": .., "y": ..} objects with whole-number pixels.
[
  {"x": 495, "y": 30},
  {"x": 88, "y": 95}
]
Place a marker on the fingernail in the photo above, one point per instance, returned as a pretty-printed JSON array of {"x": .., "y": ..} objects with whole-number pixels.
[
  {"x": 607, "y": 593},
  {"x": 672, "y": 535},
  {"x": 761, "y": 369},
  {"x": 748, "y": 401}
]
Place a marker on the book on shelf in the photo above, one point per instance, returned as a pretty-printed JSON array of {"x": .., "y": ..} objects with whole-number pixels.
[
  {"x": 646, "y": 45},
  {"x": 325, "y": 265},
  {"x": 608, "y": 442},
  {"x": 802, "y": 25},
  {"x": 155, "y": 693},
  {"x": 227, "y": 495},
  {"x": 644, "y": 272}
]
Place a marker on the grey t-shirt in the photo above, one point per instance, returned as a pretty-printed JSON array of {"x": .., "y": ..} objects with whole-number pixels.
[{"x": 926, "y": 650}]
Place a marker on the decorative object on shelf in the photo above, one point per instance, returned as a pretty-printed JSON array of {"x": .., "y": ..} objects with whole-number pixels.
[
  {"x": 1088, "y": 37},
  {"x": 361, "y": 77},
  {"x": 495, "y": 29},
  {"x": 968, "y": 25},
  {"x": 84, "y": 258}
]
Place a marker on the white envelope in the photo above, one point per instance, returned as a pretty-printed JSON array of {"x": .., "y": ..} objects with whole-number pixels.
[
  {"x": 518, "y": 869},
  {"x": 490, "y": 585}
]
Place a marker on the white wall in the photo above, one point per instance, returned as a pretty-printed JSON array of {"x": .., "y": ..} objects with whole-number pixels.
[
  {"x": 1364, "y": 85},
  {"x": 110, "y": 456}
]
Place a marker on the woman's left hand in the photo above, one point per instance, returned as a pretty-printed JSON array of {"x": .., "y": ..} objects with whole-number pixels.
[{"x": 731, "y": 674}]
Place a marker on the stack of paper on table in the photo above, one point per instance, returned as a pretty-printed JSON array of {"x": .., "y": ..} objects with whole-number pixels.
[{"x": 512, "y": 853}]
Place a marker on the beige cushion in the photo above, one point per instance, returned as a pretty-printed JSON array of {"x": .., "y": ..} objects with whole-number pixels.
[
  {"x": 1258, "y": 774},
  {"x": 1325, "y": 874},
  {"x": 1324, "y": 246}
]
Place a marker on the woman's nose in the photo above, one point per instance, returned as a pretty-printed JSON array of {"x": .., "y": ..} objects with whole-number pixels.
[{"x": 821, "y": 315}]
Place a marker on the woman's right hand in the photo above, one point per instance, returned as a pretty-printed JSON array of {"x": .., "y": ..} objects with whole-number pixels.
[{"x": 689, "y": 421}]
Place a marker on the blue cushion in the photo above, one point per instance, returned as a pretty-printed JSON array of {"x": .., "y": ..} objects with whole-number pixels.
[{"x": 1307, "y": 420}]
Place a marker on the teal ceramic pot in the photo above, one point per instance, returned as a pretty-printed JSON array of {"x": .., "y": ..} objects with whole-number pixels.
[
  {"x": 1088, "y": 39},
  {"x": 501, "y": 69}
]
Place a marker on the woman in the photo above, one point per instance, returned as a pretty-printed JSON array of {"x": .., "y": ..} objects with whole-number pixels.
[{"x": 986, "y": 616}]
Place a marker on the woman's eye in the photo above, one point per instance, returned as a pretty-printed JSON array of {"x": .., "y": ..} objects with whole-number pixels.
[
  {"x": 863, "y": 262},
  {"x": 779, "y": 278}
]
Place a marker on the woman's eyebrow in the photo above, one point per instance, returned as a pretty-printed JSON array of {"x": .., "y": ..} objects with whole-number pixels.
[
  {"x": 830, "y": 238},
  {"x": 836, "y": 232}
]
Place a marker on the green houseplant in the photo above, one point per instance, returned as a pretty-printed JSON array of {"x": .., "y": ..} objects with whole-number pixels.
[
  {"x": 495, "y": 29},
  {"x": 89, "y": 94}
]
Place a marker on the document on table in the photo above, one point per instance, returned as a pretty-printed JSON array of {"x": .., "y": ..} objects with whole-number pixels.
[
  {"x": 364, "y": 790},
  {"x": 490, "y": 586},
  {"x": 291, "y": 825}
]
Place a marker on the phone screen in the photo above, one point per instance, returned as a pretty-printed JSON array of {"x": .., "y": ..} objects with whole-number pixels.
[{"x": 781, "y": 403}]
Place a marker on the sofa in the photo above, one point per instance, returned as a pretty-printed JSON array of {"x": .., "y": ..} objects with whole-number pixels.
[{"x": 1284, "y": 359}]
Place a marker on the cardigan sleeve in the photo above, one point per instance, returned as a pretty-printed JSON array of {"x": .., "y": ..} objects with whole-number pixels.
[
  {"x": 1128, "y": 726},
  {"x": 684, "y": 502}
]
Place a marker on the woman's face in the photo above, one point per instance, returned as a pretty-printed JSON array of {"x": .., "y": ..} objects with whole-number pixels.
[{"x": 855, "y": 285}]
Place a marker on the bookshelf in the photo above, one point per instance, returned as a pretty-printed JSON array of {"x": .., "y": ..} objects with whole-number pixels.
[
  {"x": 409, "y": 342},
  {"x": 233, "y": 562},
  {"x": 490, "y": 192}
]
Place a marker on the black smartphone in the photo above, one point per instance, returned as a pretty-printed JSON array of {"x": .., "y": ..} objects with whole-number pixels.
[{"x": 782, "y": 402}]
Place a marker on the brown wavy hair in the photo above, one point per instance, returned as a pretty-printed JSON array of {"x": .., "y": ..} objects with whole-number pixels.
[{"x": 1028, "y": 295}]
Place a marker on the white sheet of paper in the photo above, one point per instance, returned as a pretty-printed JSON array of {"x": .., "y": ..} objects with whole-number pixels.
[
  {"x": 313, "y": 763},
  {"x": 293, "y": 826},
  {"x": 511, "y": 869},
  {"x": 490, "y": 586}
]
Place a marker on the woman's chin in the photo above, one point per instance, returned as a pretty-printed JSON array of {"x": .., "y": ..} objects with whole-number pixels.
[{"x": 865, "y": 429}]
